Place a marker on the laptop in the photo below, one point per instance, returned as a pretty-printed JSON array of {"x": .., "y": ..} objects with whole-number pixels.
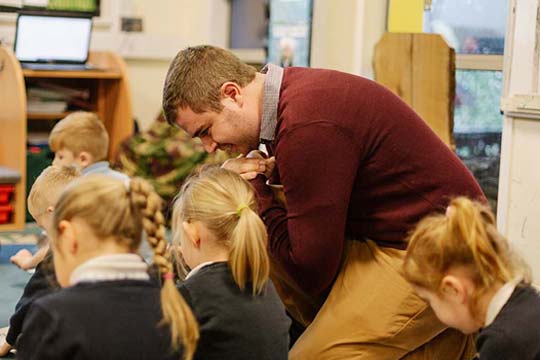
[{"x": 53, "y": 41}]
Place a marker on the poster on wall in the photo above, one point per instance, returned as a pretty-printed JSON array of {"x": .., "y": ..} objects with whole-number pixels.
[{"x": 289, "y": 32}]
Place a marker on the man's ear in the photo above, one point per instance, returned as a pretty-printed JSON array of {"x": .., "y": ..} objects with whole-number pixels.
[
  {"x": 84, "y": 159},
  {"x": 231, "y": 91},
  {"x": 67, "y": 237},
  {"x": 192, "y": 233},
  {"x": 454, "y": 289},
  {"x": 50, "y": 210}
]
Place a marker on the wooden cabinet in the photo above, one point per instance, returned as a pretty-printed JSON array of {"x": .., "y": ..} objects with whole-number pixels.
[{"x": 109, "y": 97}]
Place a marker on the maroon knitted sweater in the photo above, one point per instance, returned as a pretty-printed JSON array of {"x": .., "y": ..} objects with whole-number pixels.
[{"x": 355, "y": 161}]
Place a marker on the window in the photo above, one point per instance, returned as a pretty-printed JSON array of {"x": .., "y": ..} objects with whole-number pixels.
[{"x": 476, "y": 30}]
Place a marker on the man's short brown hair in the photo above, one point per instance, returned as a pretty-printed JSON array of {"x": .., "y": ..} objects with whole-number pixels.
[
  {"x": 195, "y": 77},
  {"x": 78, "y": 132}
]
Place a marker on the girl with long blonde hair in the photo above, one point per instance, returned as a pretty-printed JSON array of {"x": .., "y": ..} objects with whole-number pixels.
[
  {"x": 465, "y": 269},
  {"x": 223, "y": 241},
  {"x": 109, "y": 308}
]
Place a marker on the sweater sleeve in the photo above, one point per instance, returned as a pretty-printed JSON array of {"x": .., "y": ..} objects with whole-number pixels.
[
  {"x": 498, "y": 344},
  {"x": 317, "y": 166},
  {"x": 40, "y": 337},
  {"x": 39, "y": 285}
]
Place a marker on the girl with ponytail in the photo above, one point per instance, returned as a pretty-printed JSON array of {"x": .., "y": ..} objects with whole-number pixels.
[
  {"x": 223, "y": 241},
  {"x": 109, "y": 308},
  {"x": 464, "y": 268}
]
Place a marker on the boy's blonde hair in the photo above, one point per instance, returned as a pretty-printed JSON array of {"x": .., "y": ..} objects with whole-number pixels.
[
  {"x": 117, "y": 210},
  {"x": 48, "y": 186},
  {"x": 467, "y": 237},
  {"x": 225, "y": 204},
  {"x": 81, "y": 131}
]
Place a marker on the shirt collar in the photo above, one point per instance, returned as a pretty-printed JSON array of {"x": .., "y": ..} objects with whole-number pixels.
[
  {"x": 197, "y": 268},
  {"x": 96, "y": 168},
  {"x": 109, "y": 268},
  {"x": 272, "y": 86},
  {"x": 500, "y": 298}
]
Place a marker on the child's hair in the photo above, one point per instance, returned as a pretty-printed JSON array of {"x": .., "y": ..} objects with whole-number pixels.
[
  {"x": 466, "y": 237},
  {"x": 225, "y": 204},
  {"x": 80, "y": 131},
  {"x": 121, "y": 210},
  {"x": 48, "y": 186}
]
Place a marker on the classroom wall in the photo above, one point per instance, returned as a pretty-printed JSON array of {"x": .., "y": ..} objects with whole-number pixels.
[
  {"x": 345, "y": 33},
  {"x": 518, "y": 213},
  {"x": 169, "y": 25},
  {"x": 343, "y": 38}
]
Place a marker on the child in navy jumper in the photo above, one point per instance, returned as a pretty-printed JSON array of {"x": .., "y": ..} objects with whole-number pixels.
[
  {"x": 108, "y": 307},
  {"x": 41, "y": 201},
  {"x": 223, "y": 241},
  {"x": 464, "y": 268}
]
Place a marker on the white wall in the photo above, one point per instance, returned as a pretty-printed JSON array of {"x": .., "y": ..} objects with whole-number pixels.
[
  {"x": 344, "y": 35},
  {"x": 169, "y": 25},
  {"x": 518, "y": 213}
]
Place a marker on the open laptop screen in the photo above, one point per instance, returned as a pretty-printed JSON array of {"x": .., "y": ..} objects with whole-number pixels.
[{"x": 57, "y": 39}]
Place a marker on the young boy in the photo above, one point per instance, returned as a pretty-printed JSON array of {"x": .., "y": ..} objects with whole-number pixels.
[
  {"x": 41, "y": 201},
  {"x": 80, "y": 139}
]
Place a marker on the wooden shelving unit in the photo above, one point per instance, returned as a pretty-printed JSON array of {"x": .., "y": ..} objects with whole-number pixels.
[{"x": 110, "y": 98}]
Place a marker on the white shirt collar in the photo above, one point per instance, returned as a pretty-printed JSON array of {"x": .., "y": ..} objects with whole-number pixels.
[
  {"x": 111, "y": 267},
  {"x": 197, "y": 268},
  {"x": 500, "y": 298}
]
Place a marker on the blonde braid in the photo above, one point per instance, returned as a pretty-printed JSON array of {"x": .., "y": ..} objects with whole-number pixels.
[{"x": 176, "y": 312}]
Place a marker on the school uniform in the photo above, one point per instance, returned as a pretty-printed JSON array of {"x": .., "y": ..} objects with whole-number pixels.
[
  {"x": 512, "y": 330},
  {"x": 42, "y": 282},
  {"x": 103, "y": 168},
  {"x": 235, "y": 324},
  {"x": 111, "y": 311}
]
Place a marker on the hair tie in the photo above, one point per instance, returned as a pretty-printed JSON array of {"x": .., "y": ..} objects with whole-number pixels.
[
  {"x": 168, "y": 276},
  {"x": 240, "y": 208},
  {"x": 127, "y": 185}
]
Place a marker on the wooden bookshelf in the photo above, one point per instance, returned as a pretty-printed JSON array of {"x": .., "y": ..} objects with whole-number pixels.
[
  {"x": 46, "y": 116},
  {"x": 110, "y": 98}
]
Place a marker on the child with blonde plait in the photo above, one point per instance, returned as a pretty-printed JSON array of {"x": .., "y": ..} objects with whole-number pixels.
[
  {"x": 109, "y": 308},
  {"x": 223, "y": 241},
  {"x": 464, "y": 268}
]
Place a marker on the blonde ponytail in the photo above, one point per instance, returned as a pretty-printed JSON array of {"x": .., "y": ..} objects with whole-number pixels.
[
  {"x": 176, "y": 312},
  {"x": 120, "y": 210},
  {"x": 466, "y": 236},
  {"x": 225, "y": 204},
  {"x": 475, "y": 224},
  {"x": 248, "y": 256}
]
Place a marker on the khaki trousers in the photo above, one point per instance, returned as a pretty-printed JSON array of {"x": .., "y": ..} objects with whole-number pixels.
[{"x": 373, "y": 313}]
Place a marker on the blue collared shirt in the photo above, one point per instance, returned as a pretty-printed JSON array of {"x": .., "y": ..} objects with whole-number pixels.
[{"x": 102, "y": 167}]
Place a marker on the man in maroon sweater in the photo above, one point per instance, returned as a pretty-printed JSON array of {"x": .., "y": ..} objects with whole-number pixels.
[{"x": 358, "y": 168}]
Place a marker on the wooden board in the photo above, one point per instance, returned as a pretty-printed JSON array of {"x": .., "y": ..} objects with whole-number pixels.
[
  {"x": 420, "y": 68},
  {"x": 13, "y": 130}
]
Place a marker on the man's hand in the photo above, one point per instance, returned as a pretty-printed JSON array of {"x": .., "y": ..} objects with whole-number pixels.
[{"x": 250, "y": 166}]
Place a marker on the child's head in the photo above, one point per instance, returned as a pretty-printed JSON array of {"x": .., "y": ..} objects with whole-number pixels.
[
  {"x": 215, "y": 214},
  {"x": 46, "y": 190},
  {"x": 79, "y": 139},
  {"x": 458, "y": 260},
  {"x": 98, "y": 215}
]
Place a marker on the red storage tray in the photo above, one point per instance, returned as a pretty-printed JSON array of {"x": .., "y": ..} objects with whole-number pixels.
[
  {"x": 5, "y": 213},
  {"x": 6, "y": 191}
]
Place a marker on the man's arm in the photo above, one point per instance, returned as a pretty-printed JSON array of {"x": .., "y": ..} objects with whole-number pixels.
[{"x": 317, "y": 164}]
